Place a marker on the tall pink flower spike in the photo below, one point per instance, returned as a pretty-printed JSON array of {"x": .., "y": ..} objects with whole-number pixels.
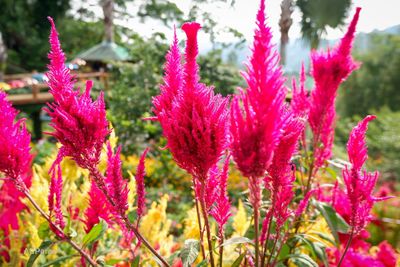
[
  {"x": 140, "y": 188},
  {"x": 329, "y": 70},
  {"x": 359, "y": 183},
  {"x": 194, "y": 120},
  {"x": 255, "y": 128},
  {"x": 15, "y": 163},
  {"x": 80, "y": 124}
]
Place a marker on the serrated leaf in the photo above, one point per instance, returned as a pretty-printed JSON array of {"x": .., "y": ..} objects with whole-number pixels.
[
  {"x": 189, "y": 252},
  {"x": 335, "y": 222},
  {"x": 36, "y": 253},
  {"x": 43, "y": 230},
  {"x": 237, "y": 240},
  {"x": 56, "y": 261},
  {"x": 238, "y": 261},
  {"x": 95, "y": 233},
  {"x": 302, "y": 260}
]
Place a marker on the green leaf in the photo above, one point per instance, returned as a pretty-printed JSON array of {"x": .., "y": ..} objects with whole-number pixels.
[
  {"x": 58, "y": 260},
  {"x": 203, "y": 263},
  {"x": 335, "y": 222},
  {"x": 238, "y": 261},
  {"x": 44, "y": 230},
  {"x": 319, "y": 249},
  {"x": 237, "y": 240},
  {"x": 302, "y": 260},
  {"x": 135, "y": 262},
  {"x": 95, "y": 233},
  {"x": 36, "y": 253},
  {"x": 189, "y": 252}
]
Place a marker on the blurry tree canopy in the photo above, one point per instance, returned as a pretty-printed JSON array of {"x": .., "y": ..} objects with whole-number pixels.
[
  {"x": 25, "y": 30},
  {"x": 377, "y": 83},
  {"x": 318, "y": 15}
]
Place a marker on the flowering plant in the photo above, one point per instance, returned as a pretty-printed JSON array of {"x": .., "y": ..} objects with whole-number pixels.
[{"x": 298, "y": 215}]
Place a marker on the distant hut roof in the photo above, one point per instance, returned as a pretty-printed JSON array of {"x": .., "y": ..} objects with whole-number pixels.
[{"x": 105, "y": 51}]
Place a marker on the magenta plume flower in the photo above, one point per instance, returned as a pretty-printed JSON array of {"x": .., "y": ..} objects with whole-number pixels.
[
  {"x": 222, "y": 209},
  {"x": 359, "y": 183},
  {"x": 117, "y": 186},
  {"x": 80, "y": 124},
  {"x": 98, "y": 208},
  {"x": 140, "y": 188},
  {"x": 55, "y": 197},
  {"x": 329, "y": 70},
  {"x": 300, "y": 103},
  {"x": 255, "y": 128},
  {"x": 194, "y": 120},
  {"x": 15, "y": 157},
  {"x": 280, "y": 173}
]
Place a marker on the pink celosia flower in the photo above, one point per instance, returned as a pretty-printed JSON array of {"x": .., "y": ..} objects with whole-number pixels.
[
  {"x": 256, "y": 126},
  {"x": 329, "y": 70},
  {"x": 222, "y": 209},
  {"x": 280, "y": 173},
  {"x": 55, "y": 192},
  {"x": 359, "y": 183},
  {"x": 15, "y": 157},
  {"x": 97, "y": 208},
  {"x": 117, "y": 186},
  {"x": 80, "y": 124},
  {"x": 300, "y": 103},
  {"x": 140, "y": 188},
  {"x": 386, "y": 254},
  {"x": 194, "y": 120}
]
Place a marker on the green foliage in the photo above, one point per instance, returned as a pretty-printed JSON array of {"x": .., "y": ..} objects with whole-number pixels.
[
  {"x": 189, "y": 252},
  {"x": 383, "y": 141},
  {"x": 377, "y": 82},
  {"x": 95, "y": 233}
]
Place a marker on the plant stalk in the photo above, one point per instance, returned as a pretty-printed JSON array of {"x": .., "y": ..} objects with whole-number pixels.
[
  {"x": 347, "y": 247},
  {"x": 265, "y": 247},
  {"x": 206, "y": 222},
  {"x": 25, "y": 191},
  {"x": 199, "y": 222}
]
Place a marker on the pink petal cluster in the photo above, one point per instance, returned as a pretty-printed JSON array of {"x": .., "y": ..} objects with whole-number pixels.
[
  {"x": 300, "y": 103},
  {"x": 194, "y": 120},
  {"x": 140, "y": 188},
  {"x": 255, "y": 113},
  {"x": 117, "y": 186},
  {"x": 80, "y": 124},
  {"x": 329, "y": 70},
  {"x": 97, "y": 208},
  {"x": 15, "y": 157},
  {"x": 281, "y": 173},
  {"x": 55, "y": 194},
  {"x": 359, "y": 183},
  {"x": 222, "y": 209}
]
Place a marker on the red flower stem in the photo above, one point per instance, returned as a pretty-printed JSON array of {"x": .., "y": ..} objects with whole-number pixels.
[
  {"x": 25, "y": 191},
  {"x": 255, "y": 195},
  {"x": 99, "y": 180},
  {"x": 206, "y": 223},
  {"x": 265, "y": 247},
  {"x": 221, "y": 248},
  {"x": 347, "y": 246},
  {"x": 256, "y": 216},
  {"x": 272, "y": 250},
  {"x": 199, "y": 221}
]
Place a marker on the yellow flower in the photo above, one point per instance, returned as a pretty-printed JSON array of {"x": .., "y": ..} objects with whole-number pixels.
[{"x": 240, "y": 221}]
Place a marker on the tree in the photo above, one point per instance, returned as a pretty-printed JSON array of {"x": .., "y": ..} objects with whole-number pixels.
[{"x": 285, "y": 22}]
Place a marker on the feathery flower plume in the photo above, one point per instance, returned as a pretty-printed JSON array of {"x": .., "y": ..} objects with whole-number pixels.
[
  {"x": 140, "y": 188},
  {"x": 97, "y": 208},
  {"x": 280, "y": 174},
  {"x": 255, "y": 128},
  {"x": 221, "y": 211},
  {"x": 359, "y": 183},
  {"x": 80, "y": 124},
  {"x": 15, "y": 157},
  {"x": 117, "y": 186},
  {"x": 55, "y": 192},
  {"x": 329, "y": 70},
  {"x": 300, "y": 103},
  {"x": 194, "y": 120}
]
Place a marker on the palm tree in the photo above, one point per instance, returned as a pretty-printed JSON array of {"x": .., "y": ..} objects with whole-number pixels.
[{"x": 285, "y": 22}]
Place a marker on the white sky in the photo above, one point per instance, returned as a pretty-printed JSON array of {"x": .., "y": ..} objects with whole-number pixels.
[{"x": 375, "y": 14}]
